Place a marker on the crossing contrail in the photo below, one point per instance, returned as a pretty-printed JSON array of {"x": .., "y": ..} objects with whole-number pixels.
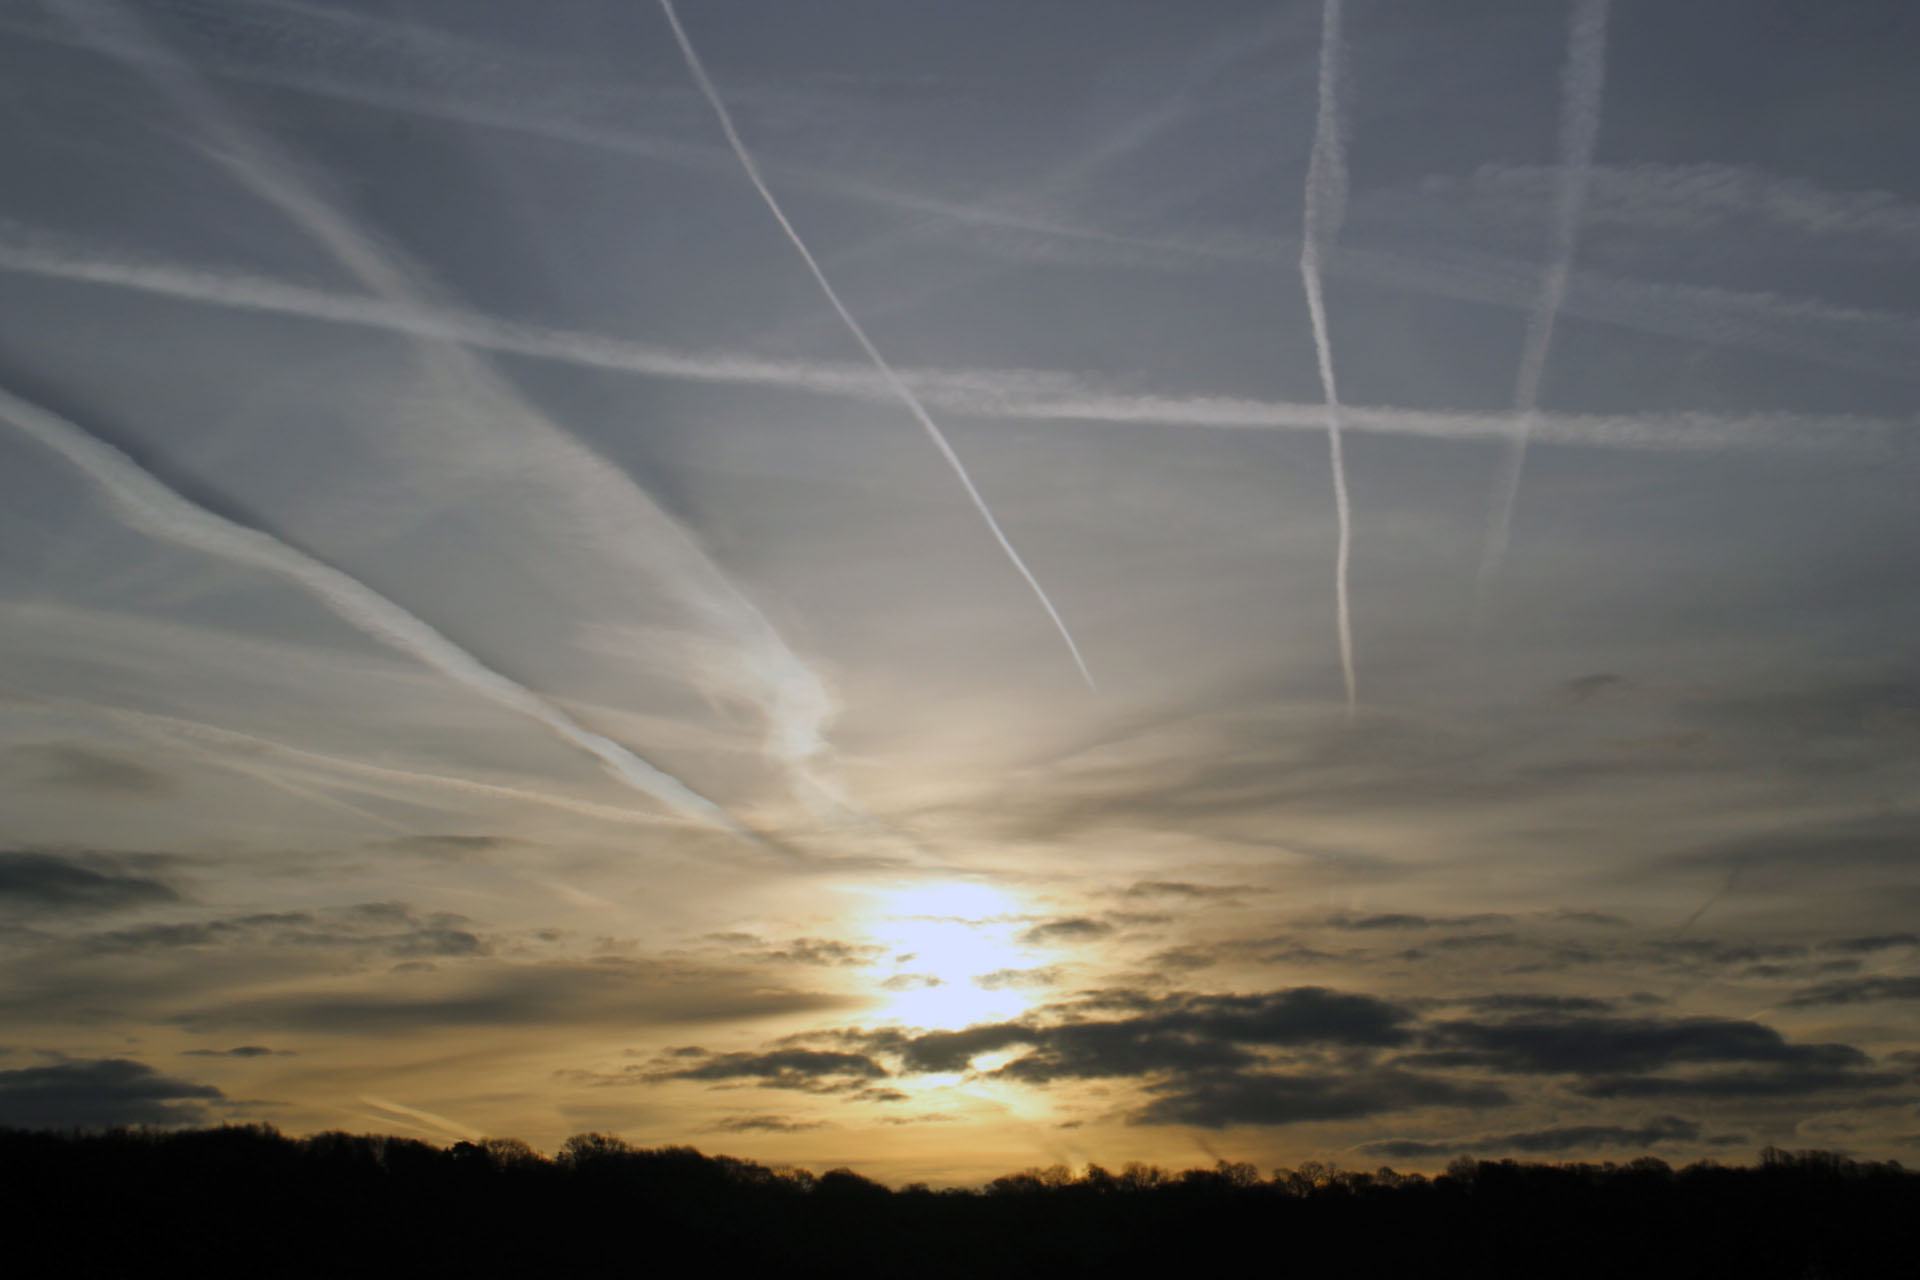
[
  {"x": 149, "y": 505},
  {"x": 616, "y": 512},
  {"x": 989, "y": 393},
  {"x": 893, "y": 380},
  {"x": 1326, "y": 205},
  {"x": 1581, "y": 83}
]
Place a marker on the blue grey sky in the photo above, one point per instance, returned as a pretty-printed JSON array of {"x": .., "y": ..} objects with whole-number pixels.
[{"x": 492, "y": 645}]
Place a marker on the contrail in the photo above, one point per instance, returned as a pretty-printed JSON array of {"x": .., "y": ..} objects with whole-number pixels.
[
  {"x": 210, "y": 737},
  {"x": 1874, "y": 342},
  {"x": 790, "y": 695},
  {"x": 148, "y": 505},
  {"x": 893, "y": 380},
  {"x": 1580, "y": 85},
  {"x": 1005, "y": 394},
  {"x": 1326, "y": 205}
]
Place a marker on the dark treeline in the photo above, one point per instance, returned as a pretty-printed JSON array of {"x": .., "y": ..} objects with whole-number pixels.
[{"x": 240, "y": 1200}]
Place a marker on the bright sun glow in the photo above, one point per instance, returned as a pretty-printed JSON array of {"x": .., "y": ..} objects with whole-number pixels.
[{"x": 940, "y": 939}]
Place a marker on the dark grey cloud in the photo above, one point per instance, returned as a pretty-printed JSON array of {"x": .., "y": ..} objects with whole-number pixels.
[
  {"x": 807, "y": 1070},
  {"x": 1067, "y": 929},
  {"x": 823, "y": 951},
  {"x": 238, "y": 1051},
  {"x": 1157, "y": 1035},
  {"x": 1401, "y": 920},
  {"x": 612, "y": 993},
  {"x": 451, "y": 845},
  {"x": 925, "y": 1117},
  {"x": 1003, "y": 979},
  {"x": 392, "y": 928},
  {"x": 1596, "y": 1045},
  {"x": 767, "y": 1124},
  {"x": 1220, "y": 1100},
  {"x": 1542, "y": 1141},
  {"x": 1871, "y": 942},
  {"x": 76, "y": 883},
  {"x": 911, "y": 982},
  {"x": 1187, "y": 890},
  {"x": 1603, "y": 684},
  {"x": 1870, "y": 843},
  {"x": 93, "y": 1093},
  {"x": 86, "y": 769},
  {"x": 1777, "y": 1082},
  {"x": 1521, "y": 1002},
  {"x": 1857, "y": 991}
]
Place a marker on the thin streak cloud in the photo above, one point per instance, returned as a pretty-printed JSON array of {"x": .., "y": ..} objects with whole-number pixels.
[{"x": 893, "y": 380}]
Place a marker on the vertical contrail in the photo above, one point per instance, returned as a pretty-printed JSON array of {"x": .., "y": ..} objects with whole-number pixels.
[
  {"x": 893, "y": 380},
  {"x": 150, "y": 506},
  {"x": 1326, "y": 205},
  {"x": 1581, "y": 82}
]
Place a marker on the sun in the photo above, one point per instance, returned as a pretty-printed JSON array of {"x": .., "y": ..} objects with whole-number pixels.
[{"x": 941, "y": 940}]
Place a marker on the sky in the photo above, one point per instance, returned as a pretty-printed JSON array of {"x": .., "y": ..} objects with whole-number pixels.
[{"x": 941, "y": 588}]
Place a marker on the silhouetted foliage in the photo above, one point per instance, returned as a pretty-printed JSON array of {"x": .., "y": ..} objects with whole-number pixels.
[{"x": 223, "y": 1201}]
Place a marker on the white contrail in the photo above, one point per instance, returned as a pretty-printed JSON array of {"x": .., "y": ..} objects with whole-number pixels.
[
  {"x": 1326, "y": 205},
  {"x": 1874, "y": 342},
  {"x": 1580, "y": 85},
  {"x": 156, "y": 510},
  {"x": 617, "y": 513},
  {"x": 1007, "y": 394},
  {"x": 893, "y": 380},
  {"x": 214, "y": 739}
]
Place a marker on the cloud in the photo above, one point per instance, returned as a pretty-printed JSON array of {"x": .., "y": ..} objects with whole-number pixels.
[
  {"x": 1530, "y": 1003},
  {"x": 1217, "y": 1101},
  {"x": 1782, "y": 1082},
  {"x": 1184, "y": 889},
  {"x": 85, "y": 769},
  {"x": 1070, "y": 929},
  {"x": 239, "y": 1051},
  {"x": 911, "y": 982},
  {"x": 98, "y": 1093},
  {"x": 1872, "y": 942},
  {"x": 1541, "y": 1141},
  {"x": 1400, "y": 920},
  {"x": 1017, "y": 979},
  {"x": 767, "y": 1124},
  {"x": 1603, "y": 1045},
  {"x": 820, "y": 951},
  {"x": 925, "y": 1117},
  {"x": 1177, "y": 1033},
  {"x": 452, "y": 845},
  {"x": 605, "y": 994},
  {"x": 1857, "y": 991},
  {"x": 1601, "y": 685},
  {"x": 77, "y": 883},
  {"x": 811, "y": 1070},
  {"x": 390, "y": 927}
]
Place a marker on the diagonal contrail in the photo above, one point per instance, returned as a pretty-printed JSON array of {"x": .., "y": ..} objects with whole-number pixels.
[
  {"x": 617, "y": 512},
  {"x": 893, "y": 380},
  {"x": 1581, "y": 82},
  {"x": 150, "y": 506},
  {"x": 1326, "y": 205}
]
